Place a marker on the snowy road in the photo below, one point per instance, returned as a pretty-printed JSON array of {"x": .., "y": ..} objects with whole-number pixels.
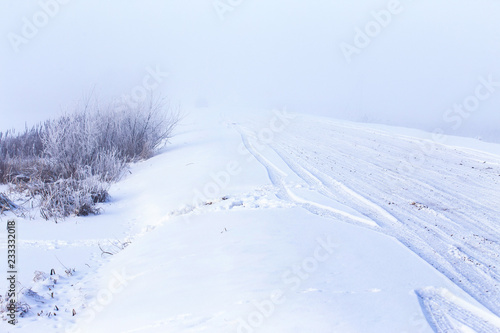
[
  {"x": 265, "y": 223},
  {"x": 445, "y": 210}
]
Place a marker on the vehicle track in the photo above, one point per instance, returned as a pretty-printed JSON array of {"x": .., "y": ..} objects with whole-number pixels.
[
  {"x": 447, "y": 313},
  {"x": 436, "y": 210}
]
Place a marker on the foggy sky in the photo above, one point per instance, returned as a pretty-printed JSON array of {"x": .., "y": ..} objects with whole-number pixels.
[{"x": 429, "y": 56}]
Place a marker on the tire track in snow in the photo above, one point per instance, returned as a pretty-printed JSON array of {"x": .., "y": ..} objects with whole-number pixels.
[
  {"x": 435, "y": 248},
  {"x": 422, "y": 231},
  {"x": 447, "y": 313},
  {"x": 374, "y": 211},
  {"x": 388, "y": 223},
  {"x": 277, "y": 177},
  {"x": 460, "y": 242}
]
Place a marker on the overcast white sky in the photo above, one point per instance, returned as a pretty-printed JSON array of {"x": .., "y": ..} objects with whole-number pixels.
[{"x": 265, "y": 53}]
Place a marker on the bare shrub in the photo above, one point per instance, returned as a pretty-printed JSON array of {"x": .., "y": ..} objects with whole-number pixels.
[
  {"x": 28, "y": 143},
  {"x": 19, "y": 151},
  {"x": 106, "y": 140},
  {"x": 23, "y": 169},
  {"x": 108, "y": 165},
  {"x": 6, "y": 204},
  {"x": 143, "y": 130},
  {"x": 68, "y": 162},
  {"x": 70, "y": 196},
  {"x": 21, "y": 308}
]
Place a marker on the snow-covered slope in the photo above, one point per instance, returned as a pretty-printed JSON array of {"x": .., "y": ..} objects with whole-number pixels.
[{"x": 260, "y": 221}]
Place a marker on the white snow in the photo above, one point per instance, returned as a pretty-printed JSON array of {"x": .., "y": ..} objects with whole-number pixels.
[
  {"x": 261, "y": 220},
  {"x": 278, "y": 222}
]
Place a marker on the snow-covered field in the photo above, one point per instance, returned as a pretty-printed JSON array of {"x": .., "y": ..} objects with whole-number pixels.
[
  {"x": 269, "y": 221},
  {"x": 331, "y": 219}
]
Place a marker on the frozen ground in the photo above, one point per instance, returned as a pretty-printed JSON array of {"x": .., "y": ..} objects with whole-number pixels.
[{"x": 279, "y": 222}]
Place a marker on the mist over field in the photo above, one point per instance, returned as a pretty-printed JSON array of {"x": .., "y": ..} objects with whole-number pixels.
[
  {"x": 244, "y": 166},
  {"x": 407, "y": 63}
]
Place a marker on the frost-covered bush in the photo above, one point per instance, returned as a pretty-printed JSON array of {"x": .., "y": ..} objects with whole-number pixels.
[
  {"x": 72, "y": 143},
  {"x": 137, "y": 133},
  {"x": 68, "y": 162},
  {"x": 70, "y": 196},
  {"x": 104, "y": 141},
  {"x": 23, "y": 169},
  {"x": 19, "y": 153}
]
